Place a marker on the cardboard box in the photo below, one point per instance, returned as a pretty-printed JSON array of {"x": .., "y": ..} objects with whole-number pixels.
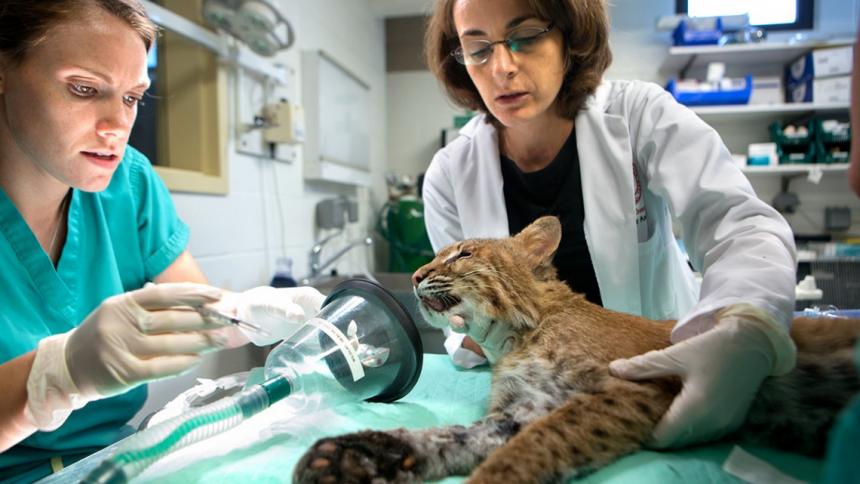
[
  {"x": 830, "y": 62},
  {"x": 831, "y": 90},
  {"x": 766, "y": 90},
  {"x": 762, "y": 154}
]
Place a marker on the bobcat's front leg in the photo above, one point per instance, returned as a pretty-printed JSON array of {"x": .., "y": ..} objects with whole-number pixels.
[
  {"x": 405, "y": 456},
  {"x": 589, "y": 431}
]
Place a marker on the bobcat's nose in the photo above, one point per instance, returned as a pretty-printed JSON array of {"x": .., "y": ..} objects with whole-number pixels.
[{"x": 417, "y": 277}]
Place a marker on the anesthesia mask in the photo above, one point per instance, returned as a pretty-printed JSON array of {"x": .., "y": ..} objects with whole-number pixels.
[{"x": 362, "y": 345}]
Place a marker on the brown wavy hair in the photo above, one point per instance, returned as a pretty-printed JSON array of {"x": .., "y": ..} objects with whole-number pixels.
[
  {"x": 584, "y": 26},
  {"x": 26, "y": 23}
]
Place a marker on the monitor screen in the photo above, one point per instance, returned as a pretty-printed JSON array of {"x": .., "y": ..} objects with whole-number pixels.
[{"x": 771, "y": 14}]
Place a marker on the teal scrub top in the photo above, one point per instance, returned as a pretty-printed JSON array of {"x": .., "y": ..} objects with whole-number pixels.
[{"x": 117, "y": 240}]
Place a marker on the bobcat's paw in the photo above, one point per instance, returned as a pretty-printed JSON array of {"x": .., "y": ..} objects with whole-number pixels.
[{"x": 367, "y": 456}]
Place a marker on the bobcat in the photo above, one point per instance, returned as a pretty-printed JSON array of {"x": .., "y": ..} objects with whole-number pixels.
[{"x": 555, "y": 411}]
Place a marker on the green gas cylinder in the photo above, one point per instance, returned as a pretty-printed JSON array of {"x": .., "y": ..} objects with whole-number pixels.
[{"x": 401, "y": 223}]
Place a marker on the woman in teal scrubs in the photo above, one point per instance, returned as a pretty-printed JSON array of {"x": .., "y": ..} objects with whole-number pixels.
[{"x": 84, "y": 224}]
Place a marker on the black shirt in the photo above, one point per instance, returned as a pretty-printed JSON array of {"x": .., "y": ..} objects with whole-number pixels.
[{"x": 554, "y": 190}]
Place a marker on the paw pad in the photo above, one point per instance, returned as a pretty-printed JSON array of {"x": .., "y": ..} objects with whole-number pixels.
[
  {"x": 328, "y": 447},
  {"x": 360, "y": 457}
]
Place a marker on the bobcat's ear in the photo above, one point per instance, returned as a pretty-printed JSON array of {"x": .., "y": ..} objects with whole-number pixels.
[{"x": 540, "y": 240}]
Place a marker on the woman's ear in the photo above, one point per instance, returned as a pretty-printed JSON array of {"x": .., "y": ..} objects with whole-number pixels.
[{"x": 540, "y": 240}]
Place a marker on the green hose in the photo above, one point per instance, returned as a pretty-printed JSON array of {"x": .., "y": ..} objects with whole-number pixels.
[
  {"x": 174, "y": 437},
  {"x": 144, "y": 448}
]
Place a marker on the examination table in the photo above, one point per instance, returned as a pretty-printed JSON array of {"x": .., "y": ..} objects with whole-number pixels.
[{"x": 265, "y": 450}]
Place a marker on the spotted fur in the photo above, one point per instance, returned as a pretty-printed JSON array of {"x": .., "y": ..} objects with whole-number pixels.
[{"x": 555, "y": 411}]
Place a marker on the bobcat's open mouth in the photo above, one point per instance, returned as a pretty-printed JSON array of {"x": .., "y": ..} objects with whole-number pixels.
[{"x": 440, "y": 303}]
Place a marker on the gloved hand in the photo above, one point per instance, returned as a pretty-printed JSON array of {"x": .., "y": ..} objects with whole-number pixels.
[
  {"x": 278, "y": 311},
  {"x": 721, "y": 371},
  {"x": 495, "y": 339},
  {"x": 129, "y": 339}
]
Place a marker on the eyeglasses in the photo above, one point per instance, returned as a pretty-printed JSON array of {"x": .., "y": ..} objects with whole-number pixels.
[{"x": 476, "y": 52}]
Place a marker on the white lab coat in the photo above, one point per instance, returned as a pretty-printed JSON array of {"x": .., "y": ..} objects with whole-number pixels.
[{"x": 743, "y": 247}]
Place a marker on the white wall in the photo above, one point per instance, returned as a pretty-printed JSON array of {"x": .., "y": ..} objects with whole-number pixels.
[
  {"x": 417, "y": 109},
  {"x": 237, "y": 237}
]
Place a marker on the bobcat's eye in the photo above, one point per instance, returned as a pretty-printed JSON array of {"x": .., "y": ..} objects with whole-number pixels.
[{"x": 462, "y": 254}]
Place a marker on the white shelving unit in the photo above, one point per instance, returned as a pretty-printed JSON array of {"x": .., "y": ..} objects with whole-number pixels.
[
  {"x": 737, "y": 123},
  {"x": 762, "y": 111},
  {"x": 795, "y": 169},
  {"x": 780, "y": 53}
]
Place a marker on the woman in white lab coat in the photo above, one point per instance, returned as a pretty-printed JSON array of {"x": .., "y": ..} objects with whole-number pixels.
[{"x": 618, "y": 162}]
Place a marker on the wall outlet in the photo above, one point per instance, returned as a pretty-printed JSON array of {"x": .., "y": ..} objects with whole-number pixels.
[{"x": 285, "y": 123}]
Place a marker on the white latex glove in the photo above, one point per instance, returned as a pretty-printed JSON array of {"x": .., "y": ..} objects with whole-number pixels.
[
  {"x": 495, "y": 339},
  {"x": 129, "y": 339},
  {"x": 278, "y": 311},
  {"x": 721, "y": 371}
]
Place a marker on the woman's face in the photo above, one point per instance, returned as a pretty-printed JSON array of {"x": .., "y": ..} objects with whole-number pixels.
[
  {"x": 517, "y": 87},
  {"x": 67, "y": 109}
]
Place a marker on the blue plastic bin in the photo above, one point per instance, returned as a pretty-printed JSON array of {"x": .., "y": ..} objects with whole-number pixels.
[
  {"x": 684, "y": 35},
  {"x": 713, "y": 98}
]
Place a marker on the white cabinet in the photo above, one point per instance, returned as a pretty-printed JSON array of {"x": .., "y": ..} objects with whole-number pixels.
[{"x": 337, "y": 106}]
